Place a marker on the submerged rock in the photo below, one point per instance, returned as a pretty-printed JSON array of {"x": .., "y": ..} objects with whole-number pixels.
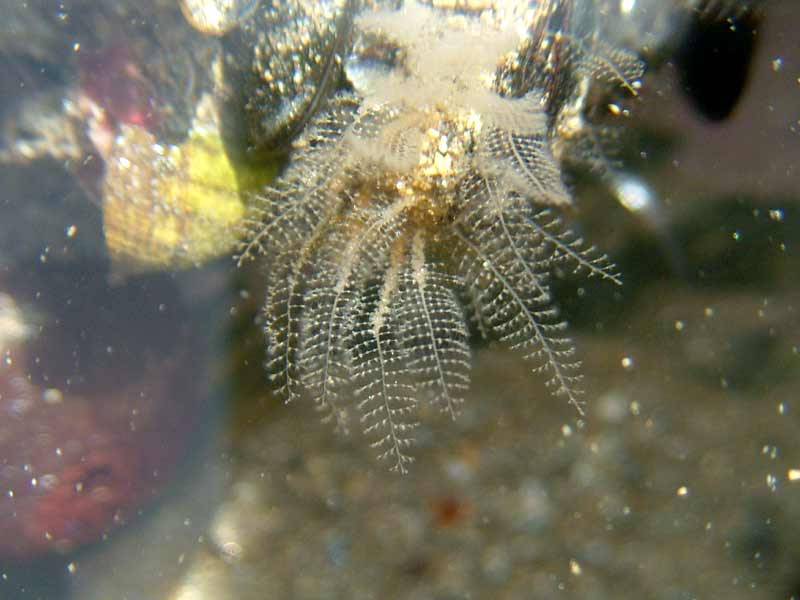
[{"x": 98, "y": 397}]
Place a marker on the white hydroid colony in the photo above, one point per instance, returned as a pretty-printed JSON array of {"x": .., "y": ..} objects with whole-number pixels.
[{"x": 422, "y": 196}]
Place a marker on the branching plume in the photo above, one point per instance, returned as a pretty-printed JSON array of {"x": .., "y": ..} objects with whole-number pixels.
[{"x": 425, "y": 198}]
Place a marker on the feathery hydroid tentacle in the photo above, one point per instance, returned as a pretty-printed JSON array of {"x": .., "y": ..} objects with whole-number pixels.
[
  {"x": 524, "y": 322},
  {"x": 433, "y": 332}
]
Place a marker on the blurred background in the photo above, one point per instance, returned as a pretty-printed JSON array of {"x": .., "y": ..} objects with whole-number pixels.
[{"x": 142, "y": 455}]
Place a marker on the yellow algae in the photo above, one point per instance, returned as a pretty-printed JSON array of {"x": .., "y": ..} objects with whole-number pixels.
[{"x": 172, "y": 206}]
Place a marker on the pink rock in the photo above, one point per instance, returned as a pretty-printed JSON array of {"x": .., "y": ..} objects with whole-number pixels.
[
  {"x": 111, "y": 77},
  {"x": 82, "y": 457}
]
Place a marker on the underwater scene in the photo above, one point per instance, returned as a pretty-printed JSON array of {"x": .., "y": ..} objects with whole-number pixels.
[{"x": 419, "y": 299}]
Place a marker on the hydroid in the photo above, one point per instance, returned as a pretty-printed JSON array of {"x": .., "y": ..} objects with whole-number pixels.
[{"x": 426, "y": 194}]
